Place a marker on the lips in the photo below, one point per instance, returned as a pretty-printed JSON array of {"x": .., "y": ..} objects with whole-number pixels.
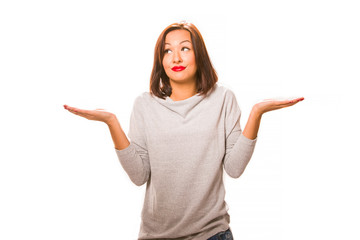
[{"x": 178, "y": 68}]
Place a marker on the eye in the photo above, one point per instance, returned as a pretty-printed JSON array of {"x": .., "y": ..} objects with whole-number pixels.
[
  {"x": 185, "y": 49},
  {"x": 167, "y": 51}
]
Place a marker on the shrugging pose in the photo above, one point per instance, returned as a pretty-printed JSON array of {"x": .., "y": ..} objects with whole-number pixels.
[{"x": 183, "y": 134}]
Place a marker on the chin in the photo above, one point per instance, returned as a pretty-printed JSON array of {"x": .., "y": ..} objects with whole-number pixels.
[{"x": 181, "y": 81}]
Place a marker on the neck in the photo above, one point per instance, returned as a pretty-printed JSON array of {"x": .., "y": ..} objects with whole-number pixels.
[{"x": 182, "y": 91}]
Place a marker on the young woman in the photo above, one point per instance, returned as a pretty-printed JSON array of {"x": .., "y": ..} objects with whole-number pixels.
[{"x": 183, "y": 133}]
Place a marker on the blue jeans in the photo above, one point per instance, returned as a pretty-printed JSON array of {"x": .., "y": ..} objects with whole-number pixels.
[{"x": 226, "y": 235}]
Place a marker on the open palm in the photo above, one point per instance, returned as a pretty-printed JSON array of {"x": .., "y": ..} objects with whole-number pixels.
[
  {"x": 96, "y": 115},
  {"x": 272, "y": 104}
]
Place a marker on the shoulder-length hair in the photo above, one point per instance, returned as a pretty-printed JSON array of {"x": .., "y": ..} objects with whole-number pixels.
[{"x": 206, "y": 76}]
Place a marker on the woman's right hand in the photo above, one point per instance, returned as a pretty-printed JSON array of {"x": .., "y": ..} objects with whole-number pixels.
[{"x": 96, "y": 115}]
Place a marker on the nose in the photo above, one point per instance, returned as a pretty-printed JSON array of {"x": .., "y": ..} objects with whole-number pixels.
[{"x": 177, "y": 57}]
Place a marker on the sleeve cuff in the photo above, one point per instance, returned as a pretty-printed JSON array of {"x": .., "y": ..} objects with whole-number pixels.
[
  {"x": 129, "y": 150},
  {"x": 247, "y": 141}
]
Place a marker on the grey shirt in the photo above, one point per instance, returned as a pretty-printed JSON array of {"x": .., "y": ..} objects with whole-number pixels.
[{"x": 180, "y": 148}]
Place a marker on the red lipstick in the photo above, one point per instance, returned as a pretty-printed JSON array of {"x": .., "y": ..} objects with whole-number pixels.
[{"x": 178, "y": 68}]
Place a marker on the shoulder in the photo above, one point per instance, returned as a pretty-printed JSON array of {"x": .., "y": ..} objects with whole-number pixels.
[
  {"x": 139, "y": 102},
  {"x": 222, "y": 92},
  {"x": 142, "y": 98},
  {"x": 145, "y": 100}
]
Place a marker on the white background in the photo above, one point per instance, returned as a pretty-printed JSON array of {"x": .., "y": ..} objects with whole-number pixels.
[{"x": 59, "y": 174}]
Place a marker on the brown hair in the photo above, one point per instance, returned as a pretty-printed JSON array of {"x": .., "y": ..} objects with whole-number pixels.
[{"x": 206, "y": 76}]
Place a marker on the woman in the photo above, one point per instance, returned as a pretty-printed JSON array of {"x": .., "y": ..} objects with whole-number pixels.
[{"x": 183, "y": 133}]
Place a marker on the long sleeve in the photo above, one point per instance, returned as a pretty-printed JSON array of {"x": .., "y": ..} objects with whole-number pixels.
[
  {"x": 239, "y": 149},
  {"x": 180, "y": 149},
  {"x": 135, "y": 158}
]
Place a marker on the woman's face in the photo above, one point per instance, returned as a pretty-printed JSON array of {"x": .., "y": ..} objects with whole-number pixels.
[{"x": 179, "y": 57}]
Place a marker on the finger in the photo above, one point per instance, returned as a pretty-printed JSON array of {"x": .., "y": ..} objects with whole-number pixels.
[
  {"x": 282, "y": 103},
  {"x": 77, "y": 110},
  {"x": 291, "y": 103},
  {"x": 297, "y": 99},
  {"x": 288, "y": 103},
  {"x": 67, "y": 107},
  {"x": 84, "y": 115}
]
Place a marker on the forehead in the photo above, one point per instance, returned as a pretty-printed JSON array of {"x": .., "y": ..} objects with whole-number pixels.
[{"x": 177, "y": 36}]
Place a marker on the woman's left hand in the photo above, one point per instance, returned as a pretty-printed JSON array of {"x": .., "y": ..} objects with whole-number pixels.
[
  {"x": 272, "y": 104},
  {"x": 252, "y": 127}
]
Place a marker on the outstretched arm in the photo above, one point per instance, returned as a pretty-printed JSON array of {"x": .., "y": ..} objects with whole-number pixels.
[
  {"x": 117, "y": 134},
  {"x": 252, "y": 127},
  {"x": 133, "y": 158},
  {"x": 240, "y": 146}
]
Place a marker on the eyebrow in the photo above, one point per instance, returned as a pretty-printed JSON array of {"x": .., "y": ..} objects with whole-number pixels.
[{"x": 180, "y": 42}]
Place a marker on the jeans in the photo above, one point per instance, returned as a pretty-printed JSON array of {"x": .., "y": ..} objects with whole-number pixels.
[{"x": 226, "y": 235}]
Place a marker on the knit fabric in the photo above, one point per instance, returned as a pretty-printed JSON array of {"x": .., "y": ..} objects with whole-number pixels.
[{"x": 179, "y": 149}]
